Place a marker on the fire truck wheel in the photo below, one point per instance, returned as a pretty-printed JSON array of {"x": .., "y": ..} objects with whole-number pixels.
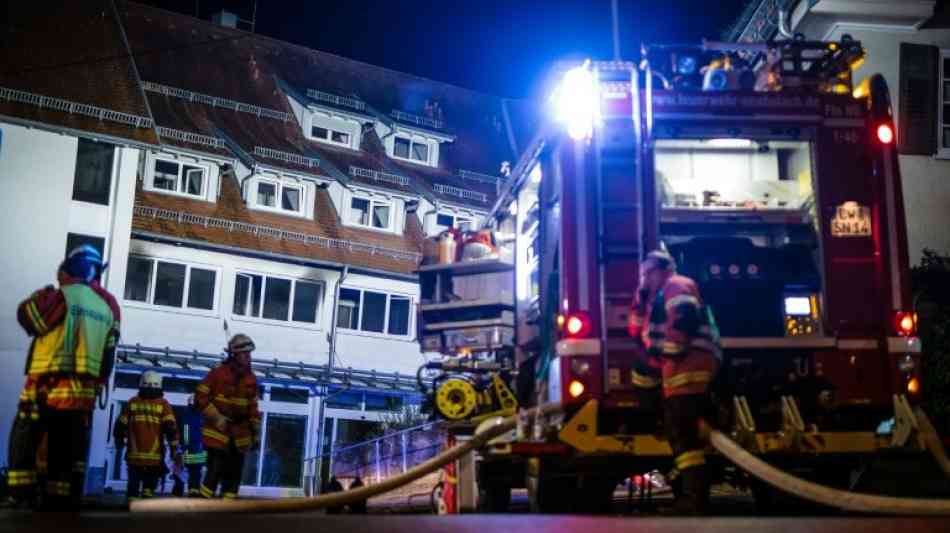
[
  {"x": 595, "y": 496},
  {"x": 494, "y": 498},
  {"x": 548, "y": 494}
]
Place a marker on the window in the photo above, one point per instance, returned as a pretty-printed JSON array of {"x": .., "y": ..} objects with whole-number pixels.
[
  {"x": 451, "y": 221},
  {"x": 290, "y": 196},
  {"x": 373, "y": 312},
  {"x": 169, "y": 284},
  {"x": 370, "y": 213},
  {"x": 179, "y": 178},
  {"x": 74, "y": 240},
  {"x": 276, "y": 298},
  {"x": 93, "y": 180},
  {"x": 411, "y": 149},
  {"x": 330, "y": 135}
]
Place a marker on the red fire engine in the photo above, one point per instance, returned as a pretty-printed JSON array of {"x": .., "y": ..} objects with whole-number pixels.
[{"x": 773, "y": 181}]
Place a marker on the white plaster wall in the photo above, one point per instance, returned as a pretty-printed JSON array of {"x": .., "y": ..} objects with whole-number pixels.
[{"x": 926, "y": 180}]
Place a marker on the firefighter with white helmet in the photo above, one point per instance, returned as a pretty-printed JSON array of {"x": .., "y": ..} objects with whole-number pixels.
[
  {"x": 681, "y": 354},
  {"x": 231, "y": 421},
  {"x": 145, "y": 420}
]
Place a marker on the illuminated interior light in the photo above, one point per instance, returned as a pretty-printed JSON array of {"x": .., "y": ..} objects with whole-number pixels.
[
  {"x": 560, "y": 321},
  {"x": 885, "y": 134},
  {"x": 575, "y": 389},
  {"x": 913, "y": 386},
  {"x": 577, "y": 102}
]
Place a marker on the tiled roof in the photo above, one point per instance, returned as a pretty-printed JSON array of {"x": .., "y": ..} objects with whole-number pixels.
[
  {"x": 177, "y": 81},
  {"x": 66, "y": 51}
]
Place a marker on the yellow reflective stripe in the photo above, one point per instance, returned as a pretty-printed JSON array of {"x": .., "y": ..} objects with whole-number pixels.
[
  {"x": 36, "y": 317},
  {"x": 643, "y": 381},
  {"x": 57, "y": 488},
  {"x": 18, "y": 478},
  {"x": 146, "y": 493},
  {"x": 240, "y": 402},
  {"x": 79, "y": 467},
  {"x": 229, "y": 495},
  {"x": 671, "y": 348},
  {"x": 124, "y": 420},
  {"x": 202, "y": 388},
  {"x": 32, "y": 415},
  {"x": 144, "y": 455},
  {"x": 169, "y": 418},
  {"x": 141, "y": 407},
  {"x": 206, "y": 492},
  {"x": 690, "y": 459},
  {"x": 680, "y": 300},
  {"x": 212, "y": 434},
  {"x": 147, "y": 419},
  {"x": 244, "y": 441},
  {"x": 79, "y": 392},
  {"x": 687, "y": 378}
]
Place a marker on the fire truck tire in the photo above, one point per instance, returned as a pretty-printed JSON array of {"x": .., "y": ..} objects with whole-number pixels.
[{"x": 851, "y": 501}]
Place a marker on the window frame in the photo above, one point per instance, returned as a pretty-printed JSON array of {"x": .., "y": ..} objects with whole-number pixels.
[
  {"x": 943, "y": 100},
  {"x": 456, "y": 219},
  {"x": 409, "y": 335},
  {"x": 413, "y": 139},
  {"x": 290, "y": 322},
  {"x": 179, "y": 181},
  {"x": 373, "y": 202},
  {"x": 279, "y": 185},
  {"x": 184, "y": 308}
]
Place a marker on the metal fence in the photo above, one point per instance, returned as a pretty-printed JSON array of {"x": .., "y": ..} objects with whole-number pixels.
[{"x": 376, "y": 459}]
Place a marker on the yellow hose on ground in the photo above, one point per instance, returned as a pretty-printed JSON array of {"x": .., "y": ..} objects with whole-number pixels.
[
  {"x": 336, "y": 499},
  {"x": 851, "y": 501}
]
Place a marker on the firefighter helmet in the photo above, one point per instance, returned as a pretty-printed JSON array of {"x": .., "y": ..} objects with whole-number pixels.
[
  {"x": 83, "y": 262},
  {"x": 240, "y": 343},
  {"x": 150, "y": 380},
  {"x": 659, "y": 260}
]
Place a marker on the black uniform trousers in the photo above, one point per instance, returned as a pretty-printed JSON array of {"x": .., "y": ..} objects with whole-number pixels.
[
  {"x": 68, "y": 435},
  {"x": 143, "y": 481},
  {"x": 225, "y": 468}
]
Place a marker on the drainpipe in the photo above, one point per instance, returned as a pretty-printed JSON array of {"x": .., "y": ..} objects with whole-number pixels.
[{"x": 322, "y": 415}]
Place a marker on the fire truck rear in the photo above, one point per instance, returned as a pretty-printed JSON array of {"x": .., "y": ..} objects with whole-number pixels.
[{"x": 773, "y": 181}]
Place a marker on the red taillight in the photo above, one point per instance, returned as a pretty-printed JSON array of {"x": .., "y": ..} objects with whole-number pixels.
[
  {"x": 905, "y": 323},
  {"x": 577, "y": 325},
  {"x": 885, "y": 134}
]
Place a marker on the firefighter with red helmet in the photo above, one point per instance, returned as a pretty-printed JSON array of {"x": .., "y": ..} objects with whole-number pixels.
[
  {"x": 145, "y": 419},
  {"x": 75, "y": 329},
  {"x": 681, "y": 355},
  {"x": 231, "y": 421}
]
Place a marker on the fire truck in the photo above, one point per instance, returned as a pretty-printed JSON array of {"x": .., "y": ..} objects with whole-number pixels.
[{"x": 772, "y": 179}]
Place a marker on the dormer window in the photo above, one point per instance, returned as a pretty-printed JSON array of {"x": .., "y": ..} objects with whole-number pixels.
[
  {"x": 183, "y": 178},
  {"x": 369, "y": 213},
  {"x": 413, "y": 150},
  {"x": 275, "y": 194},
  {"x": 335, "y": 130},
  {"x": 452, "y": 221}
]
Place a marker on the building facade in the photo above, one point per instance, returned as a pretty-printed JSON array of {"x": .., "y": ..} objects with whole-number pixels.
[
  {"x": 235, "y": 183},
  {"x": 908, "y": 42}
]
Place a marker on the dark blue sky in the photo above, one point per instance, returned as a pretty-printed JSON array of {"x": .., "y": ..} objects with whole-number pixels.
[{"x": 497, "y": 46}]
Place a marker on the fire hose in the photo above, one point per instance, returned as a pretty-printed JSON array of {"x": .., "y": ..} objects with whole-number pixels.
[{"x": 851, "y": 501}]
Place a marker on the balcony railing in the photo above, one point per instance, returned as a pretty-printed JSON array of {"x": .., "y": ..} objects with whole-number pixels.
[
  {"x": 461, "y": 193},
  {"x": 287, "y": 157},
  {"x": 331, "y": 98},
  {"x": 376, "y": 175},
  {"x": 215, "y": 101},
  {"x": 189, "y": 137},
  {"x": 67, "y": 106},
  {"x": 409, "y": 118}
]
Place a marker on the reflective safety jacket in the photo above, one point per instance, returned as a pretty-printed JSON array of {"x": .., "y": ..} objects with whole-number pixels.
[
  {"x": 230, "y": 392},
  {"x": 193, "y": 452},
  {"x": 75, "y": 330},
  {"x": 144, "y": 421},
  {"x": 675, "y": 329}
]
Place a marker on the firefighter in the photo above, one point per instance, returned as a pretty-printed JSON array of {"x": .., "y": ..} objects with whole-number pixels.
[
  {"x": 75, "y": 329},
  {"x": 195, "y": 457},
  {"x": 231, "y": 422},
  {"x": 681, "y": 355},
  {"x": 145, "y": 419}
]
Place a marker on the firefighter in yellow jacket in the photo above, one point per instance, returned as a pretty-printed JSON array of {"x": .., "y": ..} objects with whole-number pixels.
[
  {"x": 145, "y": 419},
  {"x": 681, "y": 354},
  {"x": 231, "y": 422},
  {"x": 75, "y": 328}
]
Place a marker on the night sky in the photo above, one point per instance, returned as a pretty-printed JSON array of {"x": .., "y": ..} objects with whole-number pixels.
[{"x": 501, "y": 47}]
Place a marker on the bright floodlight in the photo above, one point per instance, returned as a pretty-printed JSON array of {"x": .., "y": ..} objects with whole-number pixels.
[{"x": 576, "y": 102}]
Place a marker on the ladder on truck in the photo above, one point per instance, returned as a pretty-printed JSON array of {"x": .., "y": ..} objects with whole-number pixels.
[{"x": 626, "y": 211}]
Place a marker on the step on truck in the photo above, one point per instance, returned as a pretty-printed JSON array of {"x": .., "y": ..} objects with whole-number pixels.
[{"x": 772, "y": 178}]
